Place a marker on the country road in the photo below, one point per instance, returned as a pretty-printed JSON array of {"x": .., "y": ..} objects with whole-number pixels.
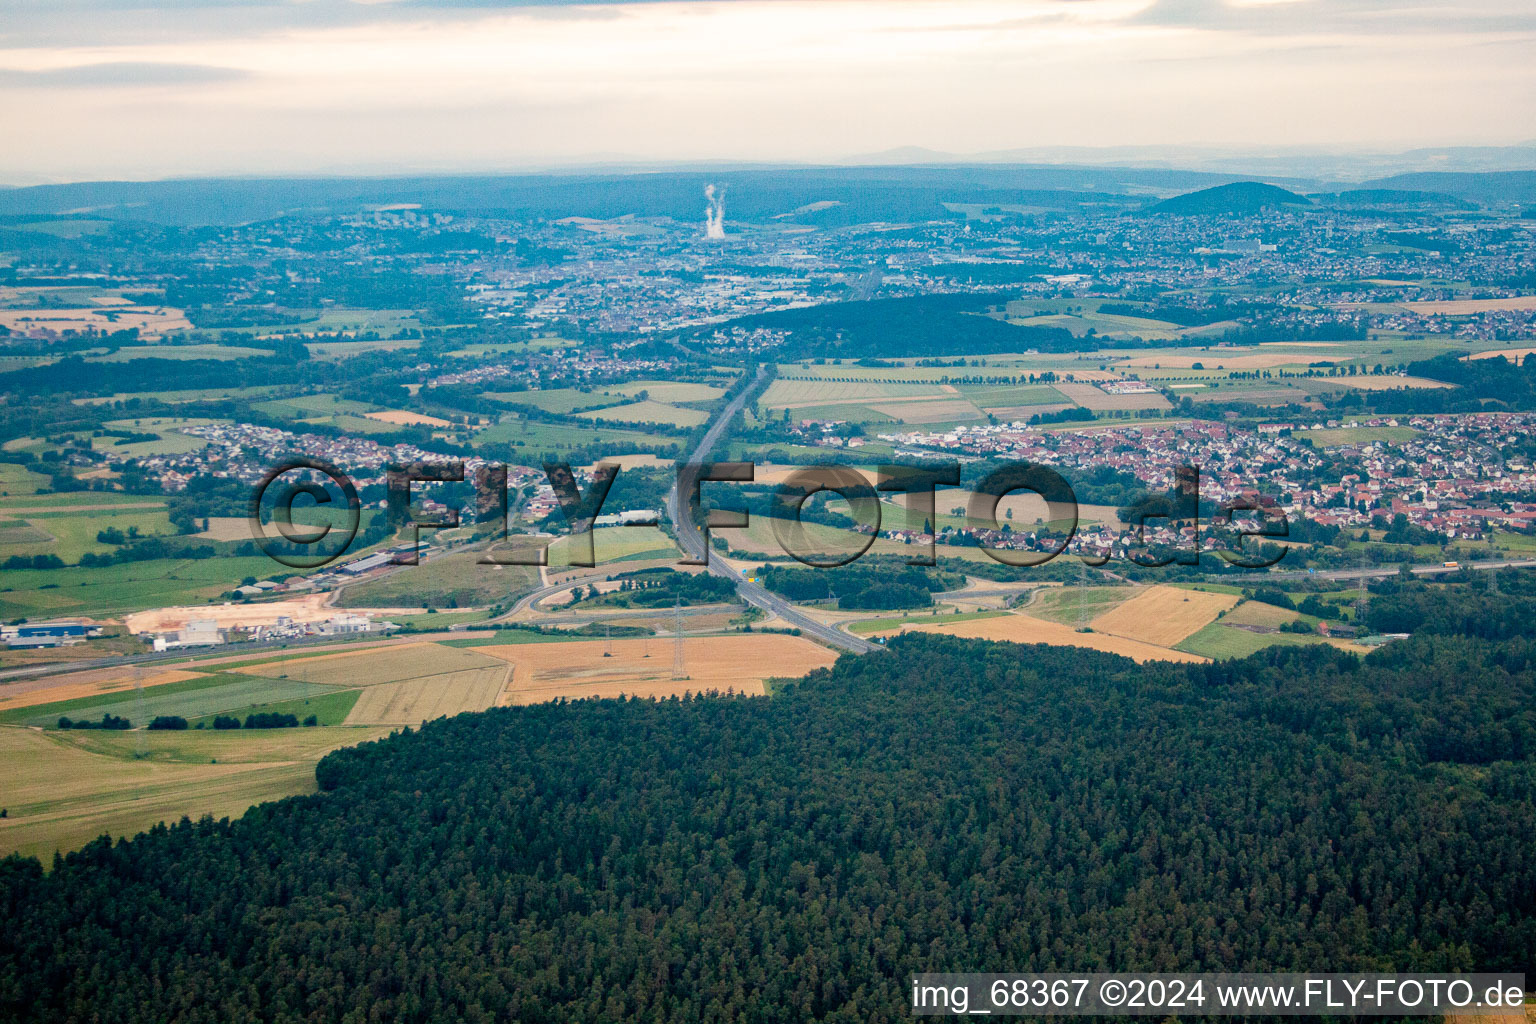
[{"x": 692, "y": 542}]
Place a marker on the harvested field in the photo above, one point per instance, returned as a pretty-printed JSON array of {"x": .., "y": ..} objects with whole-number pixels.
[
  {"x": 1511, "y": 354},
  {"x": 412, "y": 701},
  {"x": 1024, "y": 412},
  {"x": 227, "y": 528},
  {"x": 795, "y": 393},
  {"x": 151, "y": 321},
  {"x": 771, "y": 473},
  {"x": 1164, "y": 615},
  {"x": 694, "y": 621},
  {"x": 1090, "y": 397},
  {"x": 1026, "y": 629},
  {"x": 1456, "y": 307},
  {"x": 643, "y": 667},
  {"x": 944, "y": 410},
  {"x": 649, "y": 411},
  {"x": 371, "y": 668},
  {"x": 407, "y": 418},
  {"x": 637, "y": 460},
  {"x": 1390, "y": 382}
]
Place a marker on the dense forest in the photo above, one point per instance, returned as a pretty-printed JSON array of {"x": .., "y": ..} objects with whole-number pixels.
[
  {"x": 879, "y": 583},
  {"x": 896, "y": 328},
  {"x": 949, "y": 805}
]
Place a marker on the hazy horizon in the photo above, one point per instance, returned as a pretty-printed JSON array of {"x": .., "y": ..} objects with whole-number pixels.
[{"x": 144, "y": 89}]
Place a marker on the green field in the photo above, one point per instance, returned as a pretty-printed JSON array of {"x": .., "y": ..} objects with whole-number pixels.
[
  {"x": 851, "y": 412},
  {"x": 81, "y": 500},
  {"x": 192, "y": 699},
  {"x": 171, "y": 440},
  {"x": 301, "y": 406},
  {"x": 541, "y": 438},
  {"x": 336, "y": 350},
  {"x": 506, "y": 347},
  {"x": 128, "y": 352},
  {"x": 994, "y": 396},
  {"x": 864, "y": 627},
  {"x": 621, "y": 402},
  {"x": 1073, "y": 605},
  {"x": 351, "y": 424},
  {"x": 186, "y": 395},
  {"x": 1219, "y": 641},
  {"x": 649, "y": 412},
  {"x": 1355, "y": 435},
  {"x": 64, "y": 789},
  {"x": 671, "y": 391},
  {"x": 453, "y": 580},
  {"x": 16, "y": 479},
  {"x": 70, "y": 535},
  {"x": 618, "y": 543},
  {"x": 130, "y": 586},
  {"x": 562, "y": 400},
  {"x": 439, "y": 620},
  {"x": 329, "y": 705},
  {"x": 899, "y": 395}
]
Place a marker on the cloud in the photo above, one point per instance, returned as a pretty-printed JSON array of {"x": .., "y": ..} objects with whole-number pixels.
[
  {"x": 119, "y": 73},
  {"x": 1374, "y": 17}
]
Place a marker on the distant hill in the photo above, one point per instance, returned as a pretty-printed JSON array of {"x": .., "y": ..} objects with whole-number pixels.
[
  {"x": 1237, "y": 198},
  {"x": 823, "y": 196},
  {"x": 1392, "y": 199},
  {"x": 1490, "y": 188}
]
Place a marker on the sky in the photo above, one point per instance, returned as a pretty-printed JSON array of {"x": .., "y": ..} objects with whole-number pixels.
[{"x": 120, "y": 89}]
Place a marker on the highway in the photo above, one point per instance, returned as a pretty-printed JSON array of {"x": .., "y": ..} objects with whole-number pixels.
[
  {"x": 1381, "y": 572},
  {"x": 692, "y": 542}
]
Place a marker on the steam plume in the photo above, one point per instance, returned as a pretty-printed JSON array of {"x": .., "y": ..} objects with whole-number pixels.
[{"x": 714, "y": 212}]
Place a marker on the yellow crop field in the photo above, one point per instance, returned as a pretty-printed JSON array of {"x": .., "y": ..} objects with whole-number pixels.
[
  {"x": 642, "y": 667},
  {"x": 413, "y": 701},
  {"x": 371, "y": 668},
  {"x": 1090, "y": 397},
  {"x": 1389, "y": 382},
  {"x": 1514, "y": 355},
  {"x": 1163, "y": 615},
  {"x": 1466, "y": 307},
  {"x": 1257, "y": 613},
  {"x": 400, "y": 416},
  {"x": 1026, "y": 629}
]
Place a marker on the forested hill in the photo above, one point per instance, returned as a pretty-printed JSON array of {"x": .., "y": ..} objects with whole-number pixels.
[
  {"x": 953, "y": 805},
  {"x": 1236, "y": 199}
]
